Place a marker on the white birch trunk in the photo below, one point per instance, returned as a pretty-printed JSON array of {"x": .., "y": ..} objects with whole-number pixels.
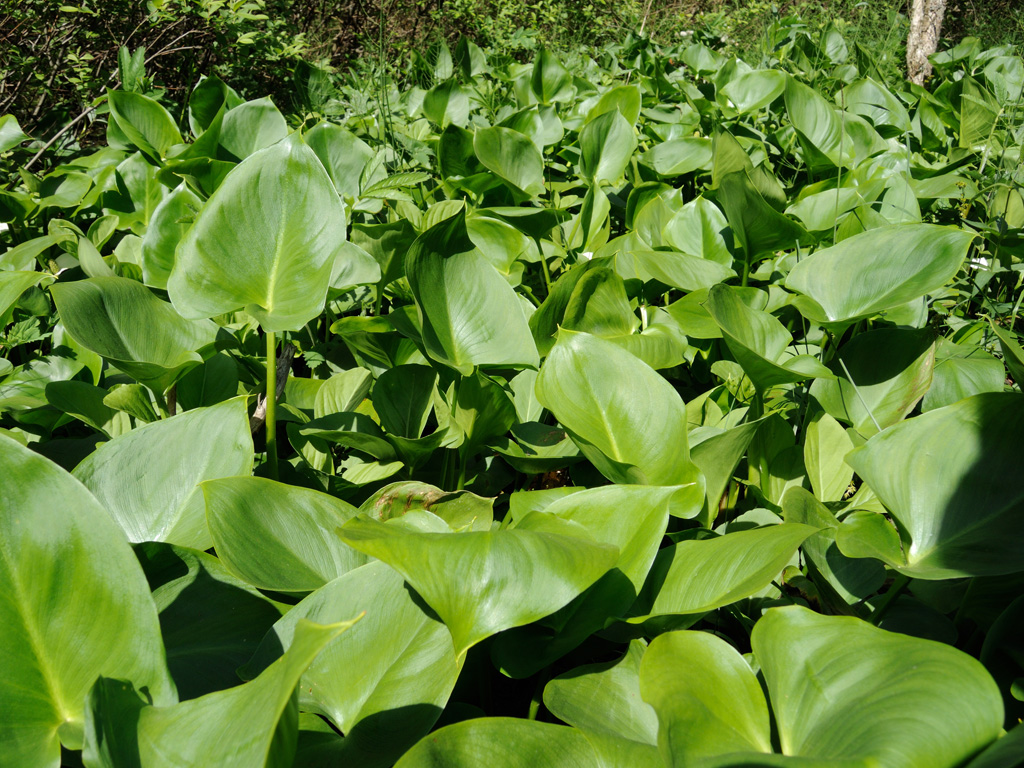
[{"x": 925, "y": 27}]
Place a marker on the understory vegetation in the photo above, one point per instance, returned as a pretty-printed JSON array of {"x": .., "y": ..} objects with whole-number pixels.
[{"x": 632, "y": 405}]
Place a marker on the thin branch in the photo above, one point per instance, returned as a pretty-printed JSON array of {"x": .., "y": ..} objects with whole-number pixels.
[{"x": 57, "y": 135}]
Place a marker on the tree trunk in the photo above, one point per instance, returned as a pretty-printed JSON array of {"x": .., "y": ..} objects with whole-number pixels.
[{"x": 925, "y": 27}]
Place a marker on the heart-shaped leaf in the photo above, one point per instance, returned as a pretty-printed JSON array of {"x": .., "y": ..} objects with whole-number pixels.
[{"x": 265, "y": 241}]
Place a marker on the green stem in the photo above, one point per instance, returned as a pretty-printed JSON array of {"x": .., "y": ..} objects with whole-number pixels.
[
  {"x": 889, "y": 598},
  {"x": 161, "y": 404},
  {"x": 378, "y": 299},
  {"x": 538, "y": 694},
  {"x": 547, "y": 273},
  {"x": 746, "y": 273},
  {"x": 271, "y": 426},
  {"x": 461, "y": 482}
]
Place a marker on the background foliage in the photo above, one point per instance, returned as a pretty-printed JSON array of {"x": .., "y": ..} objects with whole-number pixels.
[{"x": 56, "y": 59}]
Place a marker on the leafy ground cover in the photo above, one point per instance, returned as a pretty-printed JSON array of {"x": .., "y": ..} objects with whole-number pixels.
[{"x": 641, "y": 410}]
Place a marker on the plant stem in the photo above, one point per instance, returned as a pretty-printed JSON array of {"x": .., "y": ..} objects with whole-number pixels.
[
  {"x": 547, "y": 273},
  {"x": 889, "y": 598},
  {"x": 271, "y": 427},
  {"x": 538, "y": 693}
]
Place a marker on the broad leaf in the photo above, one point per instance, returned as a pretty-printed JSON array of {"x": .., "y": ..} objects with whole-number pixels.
[
  {"x": 261, "y": 718},
  {"x": 124, "y": 322},
  {"x": 265, "y": 241},
  {"x": 386, "y": 680},
  {"x": 693, "y": 577},
  {"x": 878, "y": 270},
  {"x": 640, "y": 438},
  {"x": 483, "y": 582},
  {"x": 958, "y": 508},
  {"x": 707, "y": 697},
  {"x": 470, "y": 314},
  {"x": 277, "y": 536},
  {"x": 65, "y": 564},
  {"x": 156, "y": 499},
  {"x": 841, "y": 688},
  {"x": 605, "y": 698}
]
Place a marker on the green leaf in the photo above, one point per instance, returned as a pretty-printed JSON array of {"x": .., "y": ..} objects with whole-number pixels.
[
  {"x": 11, "y": 134},
  {"x": 154, "y": 497},
  {"x": 144, "y": 122},
  {"x": 676, "y": 270},
  {"x": 1013, "y": 355},
  {"x": 262, "y": 716},
  {"x": 276, "y": 536},
  {"x": 168, "y": 225},
  {"x": 961, "y": 371},
  {"x": 386, "y": 680},
  {"x": 86, "y": 402},
  {"x": 342, "y": 392},
  {"x": 133, "y": 399},
  {"x": 717, "y": 457},
  {"x": 979, "y": 112},
  {"x": 482, "y": 411},
  {"x": 958, "y": 508},
  {"x": 865, "y": 534},
  {"x": 250, "y": 127},
  {"x": 707, "y": 698},
  {"x": 447, "y": 104},
  {"x": 878, "y": 270},
  {"x": 639, "y": 439},
  {"x": 459, "y": 509},
  {"x": 605, "y": 698},
  {"x": 481, "y": 583},
  {"x": 759, "y": 342},
  {"x": 754, "y": 90},
  {"x": 213, "y": 382},
  {"x": 841, "y": 688},
  {"x": 12, "y": 286},
  {"x": 701, "y": 229},
  {"x": 756, "y": 225},
  {"x": 508, "y": 741},
  {"x": 874, "y": 101},
  {"x": 1005, "y": 752},
  {"x": 265, "y": 241},
  {"x": 343, "y": 155},
  {"x": 852, "y": 579},
  {"x": 550, "y": 80},
  {"x": 512, "y": 157},
  {"x": 625, "y": 98},
  {"x": 211, "y": 621},
  {"x": 606, "y": 146},
  {"x": 632, "y": 518},
  {"x": 403, "y": 399},
  {"x": 124, "y": 322},
  {"x": 819, "y": 128},
  {"x": 471, "y": 316},
  {"x": 693, "y": 577},
  {"x": 887, "y": 371},
  {"x": 64, "y": 564},
  {"x": 825, "y": 446},
  {"x": 678, "y": 157}
]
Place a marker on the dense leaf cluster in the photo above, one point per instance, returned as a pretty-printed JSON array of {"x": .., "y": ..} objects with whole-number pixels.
[{"x": 653, "y": 410}]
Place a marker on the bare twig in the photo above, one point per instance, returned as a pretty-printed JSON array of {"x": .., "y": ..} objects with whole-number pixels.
[
  {"x": 57, "y": 135},
  {"x": 284, "y": 365}
]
